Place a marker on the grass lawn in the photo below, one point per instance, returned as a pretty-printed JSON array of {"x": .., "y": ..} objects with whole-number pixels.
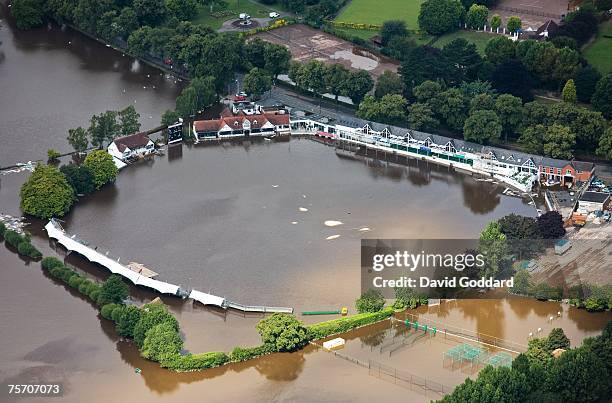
[
  {"x": 379, "y": 11},
  {"x": 233, "y": 9},
  {"x": 599, "y": 52},
  {"x": 480, "y": 39}
]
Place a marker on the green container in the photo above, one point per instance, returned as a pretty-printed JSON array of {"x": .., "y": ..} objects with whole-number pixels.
[{"x": 321, "y": 313}]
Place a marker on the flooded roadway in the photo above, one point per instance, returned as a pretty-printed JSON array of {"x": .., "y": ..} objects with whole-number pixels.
[{"x": 211, "y": 218}]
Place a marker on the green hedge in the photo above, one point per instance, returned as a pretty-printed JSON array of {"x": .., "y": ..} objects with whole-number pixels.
[
  {"x": 2, "y": 229},
  {"x": 194, "y": 362},
  {"x": 58, "y": 270},
  {"x": 324, "y": 329},
  {"x": 21, "y": 243},
  {"x": 240, "y": 354}
]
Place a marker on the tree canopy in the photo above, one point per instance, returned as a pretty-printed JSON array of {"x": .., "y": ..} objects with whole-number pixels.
[
  {"x": 102, "y": 167},
  {"x": 46, "y": 193}
]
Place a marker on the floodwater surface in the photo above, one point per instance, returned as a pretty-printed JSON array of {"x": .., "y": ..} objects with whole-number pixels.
[{"x": 245, "y": 221}]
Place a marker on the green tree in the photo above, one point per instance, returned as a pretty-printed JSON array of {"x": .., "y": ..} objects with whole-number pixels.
[
  {"x": 313, "y": 75},
  {"x": 336, "y": 78},
  {"x": 477, "y": 16},
  {"x": 127, "y": 320},
  {"x": 169, "y": 117},
  {"x": 453, "y": 108},
  {"x": 79, "y": 177},
  {"x": 496, "y": 21},
  {"x": 559, "y": 142},
  {"x": 276, "y": 59},
  {"x": 605, "y": 144},
  {"x": 532, "y": 139},
  {"x": 150, "y": 316},
  {"x": 602, "y": 97},
  {"x": 578, "y": 376},
  {"x": 182, "y": 9},
  {"x": 113, "y": 290},
  {"x": 550, "y": 225},
  {"x": 150, "y": 12},
  {"x": 557, "y": 339},
  {"x": 125, "y": 23},
  {"x": 565, "y": 42},
  {"x": 522, "y": 282},
  {"x": 567, "y": 65},
  {"x": 586, "y": 79},
  {"x": 569, "y": 92},
  {"x": 358, "y": 85},
  {"x": 27, "y": 13},
  {"x": 77, "y": 138},
  {"x": 257, "y": 82},
  {"x": 500, "y": 49},
  {"x": 103, "y": 127},
  {"x": 102, "y": 167},
  {"x": 255, "y": 51},
  {"x": 129, "y": 120},
  {"x": 521, "y": 234},
  {"x": 421, "y": 117},
  {"x": 509, "y": 109},
  {"x": 492, "y": 245},
  {"x": 46, "y": 193},
  {"x": 482, "y": 127},
  {"x": 187, "y": 102},
  {"x": 429, "y": 92},
  {"x": 283, "y": 332},
  {"x": 422, "y": 64},
  {"x": 482, "y": 102},
  {"x": 513, "y": 24},
  {"x": 370, "y": 301},
  {"x": 161, "y": 342},
  {"x": 511, "y": 77},
  {"x": 440, "y": 16},
  {"x": 388, "y": 83},
  {"x": 463, "y": 60},
  {"x": 391, "y": 29}
]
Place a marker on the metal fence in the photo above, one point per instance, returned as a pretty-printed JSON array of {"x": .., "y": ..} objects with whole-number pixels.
[
  {"x": 406, "y": 379},
  {"x": 470, "y": 334}
]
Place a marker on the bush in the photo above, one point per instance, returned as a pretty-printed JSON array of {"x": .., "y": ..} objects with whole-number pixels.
[
  {"x": 53, "y": 155},
  {"x": 107, "y": 311},
  {"x": 49, "y": 263},
  {"x": 2, "y": 229},
  {"x": 13, "y": 238},
  {"x": 75, "y": 281},
  {"x": 282, "y": 331},
  {"x": 25, "y": 248},
  {"x": 162, "y": 341},
  {"x": 94, "y": 294},
  {"x": 370, "y": 301},
  {"x": 113, "y": 290},
  {"x": 152, "y": 315},
  {"x": 194, "y": 362},
  {"x": 335, "y": 326},
  {"x": 127, "y": 320},
  {"x": 240, "y": 354}
]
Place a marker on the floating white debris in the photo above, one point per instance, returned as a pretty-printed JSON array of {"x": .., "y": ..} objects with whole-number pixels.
[
  {"x": 363, "y": 229},
  {"x": 274, "y": 186},
  {"x": 332, "y": 223},
  {"x": 303, "y": 196},
  {"x": 329, "y": 238},
  {"x": 294, "y": 222},
  {"x": 303, "y": 209}
]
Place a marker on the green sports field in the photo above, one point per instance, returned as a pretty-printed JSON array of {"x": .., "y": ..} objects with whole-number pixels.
[
  {"x": 379, "y": 11},
  {"x": 599, "y": 52},
  {"x": 480, "y": 39}
]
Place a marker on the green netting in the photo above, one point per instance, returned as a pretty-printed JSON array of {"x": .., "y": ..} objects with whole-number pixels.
[{"x": 499, "y": 360}]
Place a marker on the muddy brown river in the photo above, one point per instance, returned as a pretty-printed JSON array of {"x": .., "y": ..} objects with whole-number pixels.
[{"x": 223, "y": 219}]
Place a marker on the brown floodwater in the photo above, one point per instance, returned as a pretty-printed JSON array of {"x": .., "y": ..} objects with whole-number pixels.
[{"x": 220, "y": 219}]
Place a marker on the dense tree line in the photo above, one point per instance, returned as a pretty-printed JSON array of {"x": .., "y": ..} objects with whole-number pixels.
[{"x": 580, "y": 374}]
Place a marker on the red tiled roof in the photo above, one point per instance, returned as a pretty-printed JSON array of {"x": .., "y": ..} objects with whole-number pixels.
[
  {"x": 132, "y": 141},
  {"x": 278, "y": 119},
  {"x": 207, "y": 125}
]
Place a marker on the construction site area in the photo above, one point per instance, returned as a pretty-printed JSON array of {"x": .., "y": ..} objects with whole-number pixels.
[
  {"x": 587, "y": 260},
  {"x": 306, "y": 43}
]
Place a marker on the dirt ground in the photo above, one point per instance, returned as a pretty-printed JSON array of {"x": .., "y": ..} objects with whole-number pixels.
[
  {"x": 307, "y": 43},
  {"x": 533, "y": 13},
  {"x": 589, "y": 260}
]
